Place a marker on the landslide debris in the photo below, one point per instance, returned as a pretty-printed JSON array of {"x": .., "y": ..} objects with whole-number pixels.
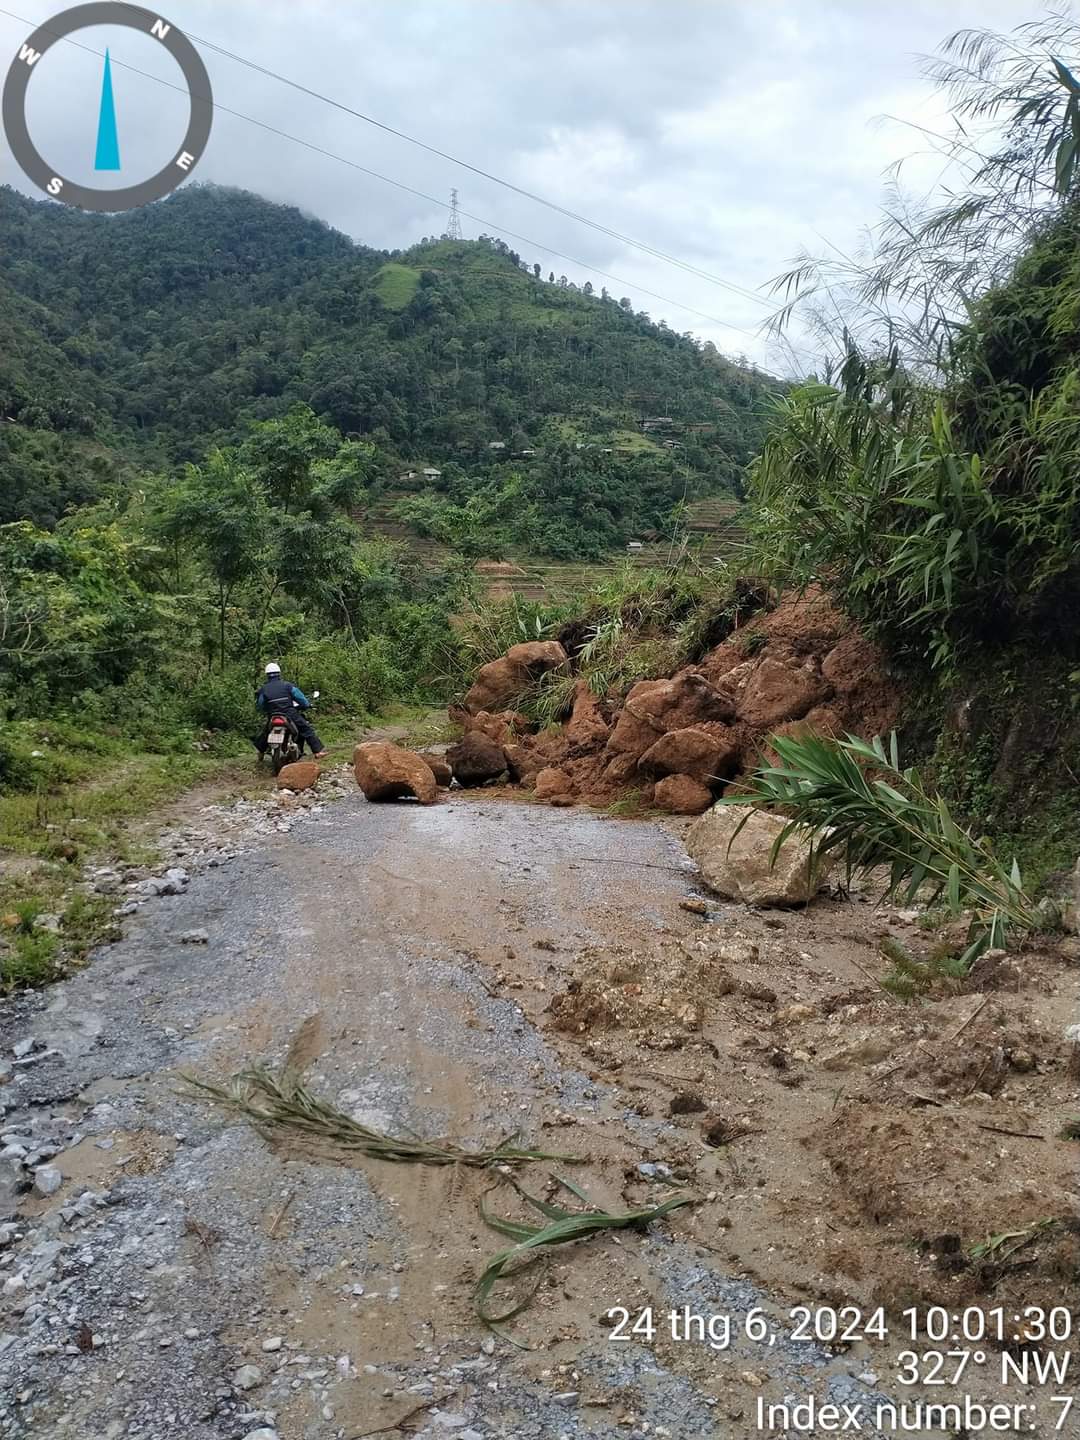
[{"x": 678, "y": 740}]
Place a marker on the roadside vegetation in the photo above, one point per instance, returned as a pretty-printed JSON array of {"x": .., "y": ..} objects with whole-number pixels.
[{"x": 930, "y": 480}]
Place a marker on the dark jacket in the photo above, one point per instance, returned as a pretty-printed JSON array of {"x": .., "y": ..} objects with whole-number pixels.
[{"x": 278, "y": 697}]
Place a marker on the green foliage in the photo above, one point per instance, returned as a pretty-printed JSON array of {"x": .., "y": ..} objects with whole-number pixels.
[
  {"x": 76, "y": 607},
  {"x": 191, "y": 319},
  {"x": 909, "y": 977},
  {"x": 856, "y": 803},
  {"x": 565, "y": 502},
  {"x": 872, "y": 491},
  {"x": 29, "y": 961}
]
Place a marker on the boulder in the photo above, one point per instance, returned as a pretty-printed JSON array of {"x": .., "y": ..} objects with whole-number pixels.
[
  {"x": 496, "y": 683},
  {"x": 387, "y": 772},
  {"x": 706, "y": 756},
  {"x": 741, "y": 869},
  {"x": 438, "y": 767},
  {"x": 537, "y": 656},
  {"x": 300, "y": 775},
  {"x": 654, "y": 707},
  {"x": 586, "y": 724},
  {"x": 521, "y": 763},
  {"x": 476, "y": 759},
  {"x": 502, "y": 680},
  {"x": 776, "y": 692},
  {"x": 681, "y": 795},
  {"x": 502, "y": 726},
  {"x": 620, "y": 769},
  {"x": 551, "y": 782}
]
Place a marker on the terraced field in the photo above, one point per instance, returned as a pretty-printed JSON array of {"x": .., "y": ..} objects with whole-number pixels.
[{"x": 713, "y": 527}]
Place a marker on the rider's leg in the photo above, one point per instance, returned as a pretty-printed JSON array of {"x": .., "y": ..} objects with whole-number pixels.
[{"x": 306, "y": 731}]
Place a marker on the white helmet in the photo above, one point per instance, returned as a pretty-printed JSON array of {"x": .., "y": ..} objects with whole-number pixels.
[{"x": 273, "y": 668}]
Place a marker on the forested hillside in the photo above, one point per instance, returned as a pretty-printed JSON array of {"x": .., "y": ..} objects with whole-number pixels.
[{"x": 142, "y": 340}]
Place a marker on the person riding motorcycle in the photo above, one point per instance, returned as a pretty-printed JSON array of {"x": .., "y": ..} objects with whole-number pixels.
[{"x": 277, "y": 697}]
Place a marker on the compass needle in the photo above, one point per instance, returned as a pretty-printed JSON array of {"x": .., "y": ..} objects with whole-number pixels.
[{"x": 107, "y": 156}]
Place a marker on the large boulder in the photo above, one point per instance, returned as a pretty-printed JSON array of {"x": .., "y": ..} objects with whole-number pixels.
[
  {"x": 387, "y": 772},
  {"x": 653, "y": 707},
  {"x": 706, "y": 756},
  {"x": 503, "y": 680},
  {"x": 776, "y": 692},
  {"x": 476, "y": 759},
  {"x": 739, "y": 867},
  {"x": 551, "y": 782},
  {"x": 300, "y": 775},
  {"x": 681, "y": 795}
]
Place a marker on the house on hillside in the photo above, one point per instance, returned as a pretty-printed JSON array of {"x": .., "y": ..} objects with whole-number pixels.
[
  {"x": 430, "y": 473},
  {"x": 497, "y": 445}
]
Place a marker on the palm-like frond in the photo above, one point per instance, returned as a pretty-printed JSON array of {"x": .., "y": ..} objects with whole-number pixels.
[{"x": 857, "y": 804}]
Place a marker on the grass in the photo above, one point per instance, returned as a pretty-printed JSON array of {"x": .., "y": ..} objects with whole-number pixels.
[
  {"x": 280, "y": 1100},
  {"x": 64, "y": 819},
  {"x": 396, "y": 285},
  {"x": 30, "y": 956}
]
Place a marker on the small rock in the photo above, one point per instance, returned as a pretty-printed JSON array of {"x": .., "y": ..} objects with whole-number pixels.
[
  {"x": 567, "y": 1398},
  {"x": 695, "y": 906},
  {"x": 271, "y": 1344},
  {"x": 47, "y": 1179},
  {"x": 263, "y": 1433},
  {"x": 247, "y": 1377},
  {"x": 194, "y": 937},
  {"x": 23, "y": 1048}
]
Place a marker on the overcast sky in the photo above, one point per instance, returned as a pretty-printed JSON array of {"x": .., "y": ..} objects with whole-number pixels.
[{"x": 728, "y": 133}]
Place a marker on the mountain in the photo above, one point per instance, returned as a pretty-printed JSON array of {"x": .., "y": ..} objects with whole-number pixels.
[{"x": 141, "y": 340}]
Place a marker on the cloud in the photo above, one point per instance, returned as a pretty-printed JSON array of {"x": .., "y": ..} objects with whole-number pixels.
[{"x": 725, "y": 132}]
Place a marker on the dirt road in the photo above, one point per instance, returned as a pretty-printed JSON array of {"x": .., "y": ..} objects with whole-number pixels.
[{"x": 191, "y": 1278}]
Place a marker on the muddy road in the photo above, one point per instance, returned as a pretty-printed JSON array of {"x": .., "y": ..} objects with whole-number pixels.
[{"x": 193, "y": 1278}]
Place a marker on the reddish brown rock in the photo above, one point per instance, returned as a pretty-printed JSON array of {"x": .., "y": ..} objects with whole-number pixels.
[
  {"x": 502, "y": 726},
  {"x": 655, "y": 706},
  {"x": 681, "y": 795},
  {"x": 705, "y": 755},
  {"x": 438, "y": 767},
  {"x": 503, "y": 680},
  {"x": 552, "y": 782},
  {"x": 387, "y": 772},
  {"x": 620, "y": 769},
  {"x": 521, "y": 763},
  {"x": 300, "y": 775},
  {"x": 776, "y": 692},
  {"x": 476, "y": 759},
  {"x": 537, "y": 656},
  {"x": 823, "y": 720},
  {"x": 586, "y": 723}
]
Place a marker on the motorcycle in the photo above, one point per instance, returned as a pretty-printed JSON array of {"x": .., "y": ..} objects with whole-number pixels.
[{"x": 283, "y": 743}]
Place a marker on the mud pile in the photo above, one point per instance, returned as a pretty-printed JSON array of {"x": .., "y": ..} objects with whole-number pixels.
[{"x": 677, "y": 741}]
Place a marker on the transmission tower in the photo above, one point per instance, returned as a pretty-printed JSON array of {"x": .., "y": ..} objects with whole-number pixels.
[{"x": 453, "y": 229}]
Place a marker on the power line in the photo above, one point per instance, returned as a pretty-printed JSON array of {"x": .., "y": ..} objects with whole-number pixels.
[
  {"x": 485, "y": 174},
  {"x": 400, "y": 185},
  {"x": 420, "y": 194}
]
